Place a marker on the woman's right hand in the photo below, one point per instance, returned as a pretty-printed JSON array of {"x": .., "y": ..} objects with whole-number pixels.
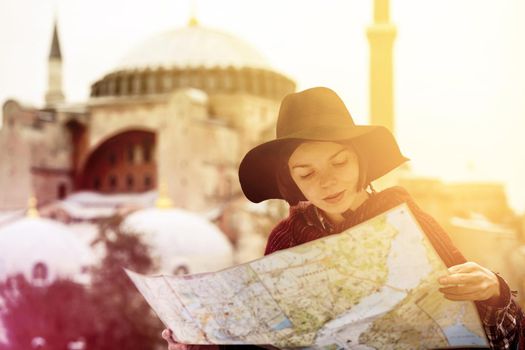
[{"x": 172, "y": 344}]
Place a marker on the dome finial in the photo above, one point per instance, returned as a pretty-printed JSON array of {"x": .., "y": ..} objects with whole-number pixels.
[
  {"x": 163, "y": 201},
  {"x": 193, "y": 22},
  {"x": 193, "y": 17},
  {"x": 32, "y": 211}
]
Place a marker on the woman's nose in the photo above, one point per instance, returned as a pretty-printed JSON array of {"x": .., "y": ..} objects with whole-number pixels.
[{"x": 326, "y": 179}]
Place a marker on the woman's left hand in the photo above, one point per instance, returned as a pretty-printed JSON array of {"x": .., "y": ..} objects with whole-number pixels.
[{"x": 470, "y": 281}]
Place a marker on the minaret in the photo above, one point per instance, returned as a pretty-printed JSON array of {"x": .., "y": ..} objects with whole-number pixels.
[
  {"x": 381, "y": 36},
  {"x": 54, "y": 87}
]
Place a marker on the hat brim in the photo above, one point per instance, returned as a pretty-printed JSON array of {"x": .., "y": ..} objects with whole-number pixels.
[{"x": 257, "y": 171}]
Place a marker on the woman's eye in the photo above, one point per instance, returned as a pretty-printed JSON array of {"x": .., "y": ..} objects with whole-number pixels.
[
  {"x": 340, "y": 162},
  {"x": 306, "y": 176}
]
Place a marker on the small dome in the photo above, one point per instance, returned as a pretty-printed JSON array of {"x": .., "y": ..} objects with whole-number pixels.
[
  {"x": 42, "y": 248},
  {"x": 184, "y": 242},
  {"x": 192, "y": 47}
]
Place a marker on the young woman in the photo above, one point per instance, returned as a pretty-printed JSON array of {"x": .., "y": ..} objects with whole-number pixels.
[{"x": 322, "y": 164}]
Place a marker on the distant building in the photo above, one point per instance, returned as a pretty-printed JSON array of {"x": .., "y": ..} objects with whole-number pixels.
[{"x": 447, "y": 200}]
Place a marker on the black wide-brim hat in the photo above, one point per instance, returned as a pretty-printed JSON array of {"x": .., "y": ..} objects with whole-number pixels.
[{"x": 316, "y": 114}]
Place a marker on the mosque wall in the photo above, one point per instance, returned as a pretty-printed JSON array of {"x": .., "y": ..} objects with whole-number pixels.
[
  {"x": 15, "y": 178},
  {"x": 196, "y": 153},
  {"x": 51, "y": 147},
  {"x": 251, "y": 115},
  {"x": 113, "y": 118},
  {"x": 216, "y": 175},
  {"x": 35, "y": 155},
  {"x": 51, "y": 159},
  {"x": 49, "y": 185}
]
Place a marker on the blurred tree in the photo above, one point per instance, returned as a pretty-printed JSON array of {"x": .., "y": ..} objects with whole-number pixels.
[
  {"x": 108, "y": 314},
  {"x": 44, "y": 316},
  {"x": 123, "y": 318}
]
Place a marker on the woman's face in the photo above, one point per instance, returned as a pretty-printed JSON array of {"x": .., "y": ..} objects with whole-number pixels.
[{"x": 327, "y": 174}]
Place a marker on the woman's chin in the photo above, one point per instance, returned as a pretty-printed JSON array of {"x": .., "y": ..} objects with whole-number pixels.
[{"x": 335, "y": 209}]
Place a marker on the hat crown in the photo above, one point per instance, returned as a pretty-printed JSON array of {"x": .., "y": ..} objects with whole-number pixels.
[{"x": 310, "y": 109}]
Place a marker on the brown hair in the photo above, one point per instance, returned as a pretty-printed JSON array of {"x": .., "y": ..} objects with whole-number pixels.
[{"x": 287, "y": 186}]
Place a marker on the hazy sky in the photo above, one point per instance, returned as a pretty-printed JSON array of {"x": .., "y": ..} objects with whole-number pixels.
[{"x": 459, "y": 64}]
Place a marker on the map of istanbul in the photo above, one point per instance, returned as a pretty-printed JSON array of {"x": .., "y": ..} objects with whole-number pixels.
[{"x": 373, "y": 286}]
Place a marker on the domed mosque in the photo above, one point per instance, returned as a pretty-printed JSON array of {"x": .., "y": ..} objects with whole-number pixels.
[{"x": 184, "y": 106}]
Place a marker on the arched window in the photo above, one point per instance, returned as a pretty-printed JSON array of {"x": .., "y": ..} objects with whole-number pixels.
[
  {"x": 151, "y": 81},
  {"x": 112, "y": 159},
  {"x": 130, "y": 182},
  {"x": 167, "y": 82},
  {"x": 62, "y": 191},
  {"x": 111, "y": 87},
  {"x": 228, "y": 83},
  {"x": 130, "y": 154},
  {"x": 147, "y": 150},
  {"x": 113, "y": 182},
  {"x": 181, "y": 270},
  {"x": 136, "y": 85},
  {"x": 118, "y": 85},
  {"x": 211, "y": 82},
  {"x": 40, "y": 271},
  {"x": 129, "y": 85},
  {"x": 148, "y": 183}
]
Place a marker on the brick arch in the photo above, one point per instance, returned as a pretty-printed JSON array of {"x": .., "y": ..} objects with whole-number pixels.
[
  {"x": 93, "y": 143},
  {"x": 122, "y": 163}
]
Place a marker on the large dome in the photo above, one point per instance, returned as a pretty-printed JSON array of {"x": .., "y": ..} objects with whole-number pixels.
[
  {"x": 193, "y": 57},
  {"x": 192, "y": 47},
  {"x": 181, "y": 240}
]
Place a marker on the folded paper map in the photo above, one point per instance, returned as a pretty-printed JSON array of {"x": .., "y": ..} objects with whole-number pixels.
[{"x": 373, "y": 286}]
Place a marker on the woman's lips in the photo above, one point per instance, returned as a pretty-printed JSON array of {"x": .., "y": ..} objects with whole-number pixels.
[{"x": 336, "y": 197}]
